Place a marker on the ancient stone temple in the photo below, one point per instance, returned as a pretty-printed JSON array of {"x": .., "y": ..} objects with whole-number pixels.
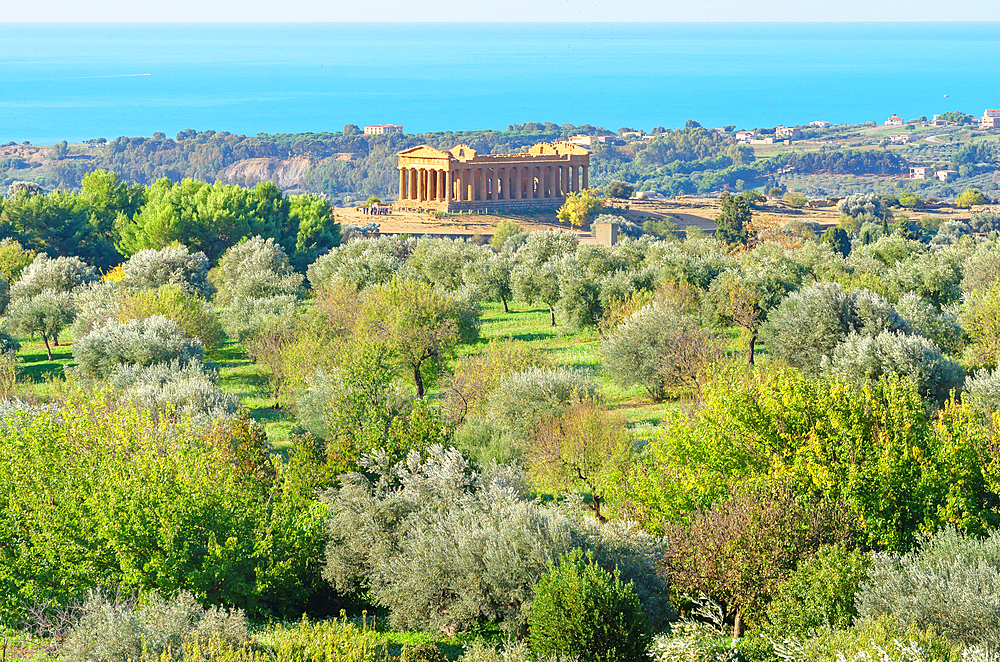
[{"x": 461, "y": 179}]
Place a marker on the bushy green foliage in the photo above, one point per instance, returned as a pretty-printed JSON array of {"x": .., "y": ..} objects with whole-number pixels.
[
  {"x": 819, "y": 592},
  {"x": 872, "y": 446},
  {"x": 189, "y": 388},
  {"x": 142, "y": 343},
  {"x": 952, "y": 582},
  {"x": 863, "y": 203},
  {"x": 60, "y": 274},
  {"x": 476, "y": 376},
  {"x": 14, "y": 258},
  {"x": 982, "y": 391},
  {"x": 44, "y": 315},
  {"x": 248, "y": 318},
  {"x": 255, "y": 268},
  {"x": 173, "y": 265},
  {"x": 445, "y": 547},
  {"x": 511, "y": 651},
  {"x": 658, "y": 348},
  {"x": 860, "y": 358},
  {"x": 361, "y": 262},
  {"x": 586, "y": 613},
  {"x": 875, "y": 639},
  {"x": 420, "y": 324},
  {"x": 522, "y": 399},
  {"x": 943, "y": 328},
  {"x": 109, "y": 632},
  {"x": 193, "y": 315},
  {"x": 98, "y": 492},
  {"x": 441, "y": 261}
]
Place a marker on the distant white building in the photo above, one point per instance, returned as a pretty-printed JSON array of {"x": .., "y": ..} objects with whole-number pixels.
[
  {"x": 792, "y": 132},
  {"x": 383, "y": 129},
  {"x": 918, "y": 172},
  {"x": 899, "y": 138},
  {"x": 820, "y": 124},
  {"x": 946, "y": 175},
  {"x": 991, "y": 119},
  {"x": 587, "y": 141},
  {"x": 895, "y": 120},
  {"x": 745, "y": 136}
]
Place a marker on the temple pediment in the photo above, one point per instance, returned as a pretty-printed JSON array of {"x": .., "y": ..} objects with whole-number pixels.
[{"x": 424, "y": 151}]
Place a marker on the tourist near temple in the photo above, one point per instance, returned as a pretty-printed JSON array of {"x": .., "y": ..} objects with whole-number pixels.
[{"x": 461, "y": 179}]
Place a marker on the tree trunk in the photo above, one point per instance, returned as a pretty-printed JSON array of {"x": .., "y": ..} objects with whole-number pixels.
[
  {"x": 55, "y": 339},
  {"x": 750, "y": 349},
  {"x": 596, "y": 507},
  {"x": 418, "y": 380},
  {"x": 505, "y": 308},
  {"x": 48, "y": 349},
  {"x": 552, "y": 314},
  {"x": 738, "y": 623}
]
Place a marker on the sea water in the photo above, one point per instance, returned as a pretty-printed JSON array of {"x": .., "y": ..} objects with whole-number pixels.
[{"x": 80, "y": 81}]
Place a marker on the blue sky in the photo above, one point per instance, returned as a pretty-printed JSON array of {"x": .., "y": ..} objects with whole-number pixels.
[{"x": 502, "y": 11}]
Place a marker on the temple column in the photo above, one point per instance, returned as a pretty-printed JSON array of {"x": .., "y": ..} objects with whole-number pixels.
[
  {"x": 468, "y": 184},
  {"x": 555, "y": 181},
  {"x": 411, "y": 176},
  {"x": 402, "y": 183},
  {"x": 517, "y": 183},
  {"x": 576, "y": 178},
  {"x": 586, "y": 183},
  {"x": 560, "y": 184},
  {"x": 447, "y": 185},
  {"x": 478, "y": 189},
  {"x": 422, "y": 185},
  {"x": 496, "y": 184}
]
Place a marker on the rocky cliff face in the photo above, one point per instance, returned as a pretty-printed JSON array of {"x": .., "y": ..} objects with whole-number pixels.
[{"x": 287, "y": 174}]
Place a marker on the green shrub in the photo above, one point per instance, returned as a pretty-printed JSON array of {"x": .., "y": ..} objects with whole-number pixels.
[
  {"x": 248, "y": 318},
  {"x": 447, "y": 548},
  {"x": 698, "y": 637},
  {"x": 872, "y": 639},
  {"x": 864, "y": 359},
  {"x": 175, "y": 265},
  {"x": 476, "y": 376},
  {"x": 256, "y": 268},
  {"x": 188, "y": 388},
  {"x": 819, "y": 592},
  {"x": 660, "y": 349},
  {"x": 361, "y": 262},
  {"x": 60, "y": 274},
  {"x": 110, "y": 632},
  {"x": 334, "y": 640},
  {"x": 511, "y": 651},
  {"x": 586, "y": 613},
  {"x": 422, "y": 653},
  {"x": 142, "y": 343},
  {"x": 196, "y": 317},
  {"x": 951, "y": 583},
  {"x": 521, "y": 399}
]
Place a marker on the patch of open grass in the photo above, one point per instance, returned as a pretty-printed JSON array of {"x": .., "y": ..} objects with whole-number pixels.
[{"x": 239, "y": 375}]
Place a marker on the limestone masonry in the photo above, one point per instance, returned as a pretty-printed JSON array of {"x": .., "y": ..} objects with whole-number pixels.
[{"x": 461, "y": 179}]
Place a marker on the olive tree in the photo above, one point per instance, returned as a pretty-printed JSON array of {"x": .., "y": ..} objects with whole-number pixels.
[
  {"x": 174, "y": 265},
  {"x": 659, "y": 348},
  {"x": 142, "y": 343},
  {"x": 536, "y": 275},
  {"x": 490, "y": 273},
  {"x": 422, "y": 325},
  {"x": 864, "y": 359},
  {"x": 44, "y": 314},
  {"x": 361, "y": 262},
  {"x": 256, "y": 268},
  {"x": 60, "y": 274}
]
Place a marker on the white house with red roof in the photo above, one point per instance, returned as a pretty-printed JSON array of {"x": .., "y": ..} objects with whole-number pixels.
[{"x": 895, "y": 120}]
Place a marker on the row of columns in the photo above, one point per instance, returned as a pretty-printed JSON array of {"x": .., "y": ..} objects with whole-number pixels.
[{"x": 511, "y": 183}]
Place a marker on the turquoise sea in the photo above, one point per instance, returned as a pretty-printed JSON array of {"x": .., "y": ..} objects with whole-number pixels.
[{"x": 79, "y": 81}]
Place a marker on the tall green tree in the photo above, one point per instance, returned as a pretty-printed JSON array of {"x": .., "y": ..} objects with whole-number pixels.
[{"x": 731, "y": 225}]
